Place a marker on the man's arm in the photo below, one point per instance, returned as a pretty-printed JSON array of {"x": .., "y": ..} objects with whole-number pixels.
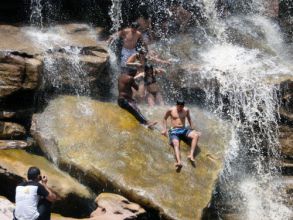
[
  {"x": 131, "y": 61},
  {"x": 49, "y": 195},
  {"x": 167, "y": 114},
  {"x": 189, "y": 119},
  {"x": 133, "y": 84}
]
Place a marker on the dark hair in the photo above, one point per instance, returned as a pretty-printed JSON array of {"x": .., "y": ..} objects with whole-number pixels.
[
  {"x": 180, "y": 102},
  {"x": 33, "y": 173},
  {"x": 141, "y": 50},
  {"x": 148, "y": 67},
  {"x": 134, "y": 25}
]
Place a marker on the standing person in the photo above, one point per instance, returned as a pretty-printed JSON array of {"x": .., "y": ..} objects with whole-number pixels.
[
  {"x": 125, "y": 84},
  {"x": 131, "y": 39},
  {"x": 138, "y": 61},
  {"x": 145, "y": 28},
  {"x": 153, "y": 89},
  {"x": 33, "y": 198},
  {"x": 179, "y": 131}
]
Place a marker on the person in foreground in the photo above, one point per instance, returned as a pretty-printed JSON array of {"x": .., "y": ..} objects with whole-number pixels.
[
  {"x": 125, "y": 84},
  {"x": 179, "y": 131},
  {"x": 33, "y": 198}
]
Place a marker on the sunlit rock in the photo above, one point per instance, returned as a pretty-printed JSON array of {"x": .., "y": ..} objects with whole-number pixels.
[
  {"x": 112, "y": 204},
  {"x": 13, "y": 169},
  {"x": 18, "y": 73},
  {"x": 9, "y": 130},
  {"x": 106, "y": 146},
  {"x": 6, "y": 209}
]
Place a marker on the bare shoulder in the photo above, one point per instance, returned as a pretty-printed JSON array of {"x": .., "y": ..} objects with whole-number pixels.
[{"x": 186, "y": 110}]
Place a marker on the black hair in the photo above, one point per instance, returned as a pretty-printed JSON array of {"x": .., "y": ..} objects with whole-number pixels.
[
  {"x": 180, "y": 102},
  {"x": 134, "y": 25},
  {"x": 141, "y": 50},
  {"x": 33, "y": 173},
  {"x": 148, "y": 67}
]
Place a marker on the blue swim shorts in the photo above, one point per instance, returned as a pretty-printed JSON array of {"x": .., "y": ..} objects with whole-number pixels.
[{"x": 179, "y": 134}]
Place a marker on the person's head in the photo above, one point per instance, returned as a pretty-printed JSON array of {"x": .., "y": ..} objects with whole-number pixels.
[
  {"x": 143, "y": 22},
  {"x": 180, "y": 105},
  {"x": 34, "y": 174},
  {"x": 141, "y": 51},
  {"x": 134, "y": 25},
  {"x": 148, "y": 68}
]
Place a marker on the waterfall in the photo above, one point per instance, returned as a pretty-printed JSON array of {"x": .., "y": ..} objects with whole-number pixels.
[
  {"x": 116, "y": 14},
  {"x": 36, "y": 17},
  {"x": 245, "y": 95}
]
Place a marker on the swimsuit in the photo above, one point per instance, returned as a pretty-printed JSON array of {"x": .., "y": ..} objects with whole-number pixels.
[
  {"x": 131, "y": 107},
  {"x": 125, "y": 54},
  {"x": 179, "y": 134}
]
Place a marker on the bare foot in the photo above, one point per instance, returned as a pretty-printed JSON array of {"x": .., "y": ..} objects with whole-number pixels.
[
  {"x": 151, "y": 125},
  {"x": 190, "y": 157},
  {"x": 178, "y": 167}
]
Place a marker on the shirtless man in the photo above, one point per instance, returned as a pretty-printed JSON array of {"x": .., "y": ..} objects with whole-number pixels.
[
  {"x": 125, "y": 84},
  {"x": 131, "y": 38},
  {"x": 178, "y": 131}
]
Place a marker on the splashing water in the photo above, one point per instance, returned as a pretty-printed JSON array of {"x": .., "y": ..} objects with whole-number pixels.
[
  {"x": 116, "y": 14},
  {"x": 36, "y": 17}
]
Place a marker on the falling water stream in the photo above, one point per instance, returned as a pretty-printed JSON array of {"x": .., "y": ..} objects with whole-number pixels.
[{"x": 244, "y": 94}]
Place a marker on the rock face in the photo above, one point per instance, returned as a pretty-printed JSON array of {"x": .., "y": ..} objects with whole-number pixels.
[
  {"x": 6, "y": 209},
  {"x": 116, "y": 207},
  {"x": 107, "y": 146},
  {"x": 18, "y": 73},
  {"x": 13, "y": 169}
]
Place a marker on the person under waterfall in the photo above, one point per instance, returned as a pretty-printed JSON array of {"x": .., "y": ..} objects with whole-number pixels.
[
  {"x": 125, "y": 84},
  {"x": 128, "y": 39},
  {"x": 179, "y": 131}
]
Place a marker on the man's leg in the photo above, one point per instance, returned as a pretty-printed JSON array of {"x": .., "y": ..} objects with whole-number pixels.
[
  {"x": 193, "y": 135},
  {"x": 176, "y": 145},
  {"x": 131, "y": 108},
  {"x": 44, "y": 209}
]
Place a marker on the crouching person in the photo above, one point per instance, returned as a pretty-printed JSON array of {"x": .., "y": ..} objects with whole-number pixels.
[{"x": 33, "y": 198}]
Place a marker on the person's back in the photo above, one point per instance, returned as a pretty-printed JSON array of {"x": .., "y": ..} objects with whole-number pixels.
[
  {"x": 33, "y": 198},
  {"x": 26, "y": 200},
  {"x": 124, "y": 86}
]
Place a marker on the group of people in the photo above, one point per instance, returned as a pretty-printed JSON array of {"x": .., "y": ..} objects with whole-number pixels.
[{"x": 138, "y": 81}]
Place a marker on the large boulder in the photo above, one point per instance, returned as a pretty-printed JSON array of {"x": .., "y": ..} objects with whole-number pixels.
[
  {"x": 71, "y": 194},
  {"x": 106, "y": 146}
]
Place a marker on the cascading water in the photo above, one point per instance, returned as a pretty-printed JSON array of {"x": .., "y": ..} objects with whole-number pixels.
[
  {"x": 244, "y": 53},
  {"x": 36, "y": 17}
]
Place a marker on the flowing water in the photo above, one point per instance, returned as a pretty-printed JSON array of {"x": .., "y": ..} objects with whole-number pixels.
[{"x": 243, "y": 53}]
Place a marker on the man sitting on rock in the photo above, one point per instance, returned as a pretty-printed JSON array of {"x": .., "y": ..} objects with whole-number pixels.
[
  {"x": 125, "y": 84},
  {"x": 33, "y": 198},
  {"x": 179, "y": 131}
]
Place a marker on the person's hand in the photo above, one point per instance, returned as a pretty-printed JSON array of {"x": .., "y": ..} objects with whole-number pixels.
[
  {"x": 164, "y": 132},
  {"x": 44, "y": 180}
]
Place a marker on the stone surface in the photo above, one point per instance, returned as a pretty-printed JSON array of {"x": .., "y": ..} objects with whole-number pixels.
[
  {"x": 9, "y": 130},
  {"x": 18, "y": 72},
  {"x": 6, "y": 209},
  {"x": 111, "y": 150},
  {"x": 117, "y": 206},
  {"x": 14, "y": 144},
  {"x": 286, "y": 141},
  {"x": 13, "y": 169}
]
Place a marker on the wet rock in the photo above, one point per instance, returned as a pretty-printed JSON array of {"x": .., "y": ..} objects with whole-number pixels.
[
  {"x": 9, "y": 130},
  {"x": 286, "y": 141},
  {"x": 109, "y": 149},
  {"x": 13, "y": 169},
  {"x": 116, "y": 206},
  {"x": 18, "y": 73},
  {"x": 6, "y": 209},
  {"x": 14, "y": 144}
]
